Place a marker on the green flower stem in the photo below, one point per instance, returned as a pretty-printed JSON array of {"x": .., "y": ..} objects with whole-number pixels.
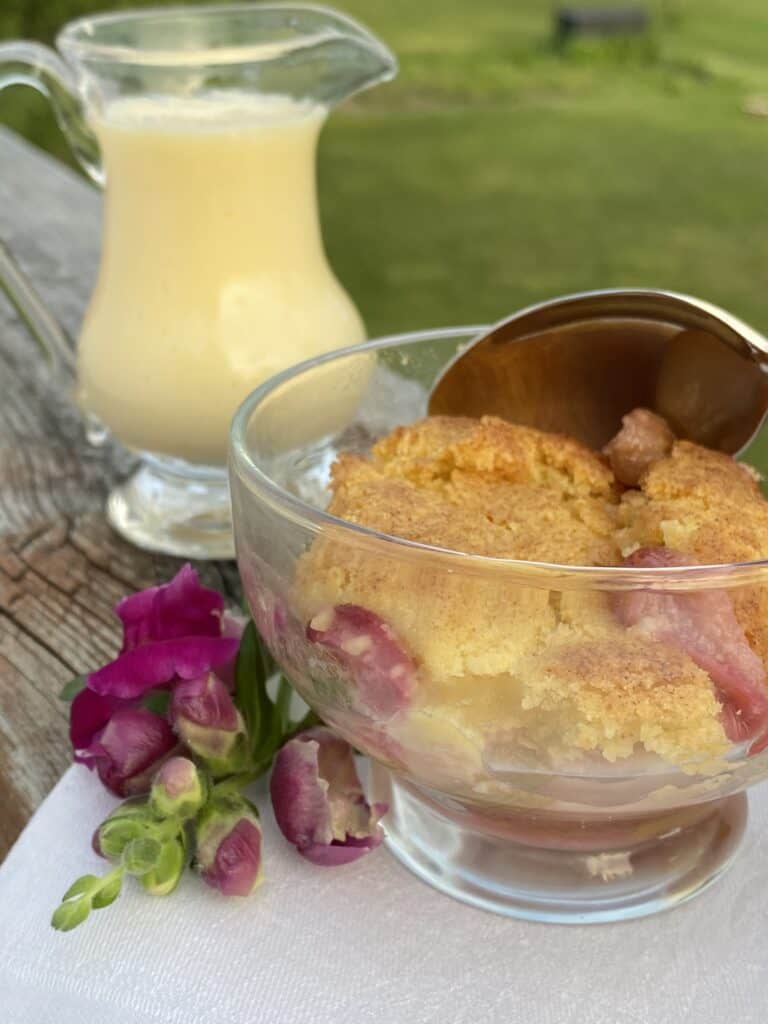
[
  {"x": 86, "y": 894},
  {"x": 283, "y": 702},
  {"x": 111, "y": 882},
  {"x": 166, "y": 828},
  {"x": 149, "y": 841},
  {"x": 234, "y": 783},
  {"x": 307, "y": 722}
]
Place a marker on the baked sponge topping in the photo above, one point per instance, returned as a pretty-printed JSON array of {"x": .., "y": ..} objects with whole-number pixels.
[{"x": 511, "y": 667}]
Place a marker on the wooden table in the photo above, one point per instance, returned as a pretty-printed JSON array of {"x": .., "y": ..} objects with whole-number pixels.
[{"x": 61, "y": 566}]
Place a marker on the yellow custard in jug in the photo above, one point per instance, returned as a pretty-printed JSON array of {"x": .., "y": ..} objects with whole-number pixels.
[{"x": 213, "y": 274}]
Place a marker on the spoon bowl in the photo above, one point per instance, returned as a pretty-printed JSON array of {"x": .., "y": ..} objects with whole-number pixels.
[{"x": 578, "y": 363}]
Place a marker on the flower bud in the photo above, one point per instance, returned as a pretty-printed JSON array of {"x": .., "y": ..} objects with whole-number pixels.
[
  {"x": 206, "y": 719},
  {"x": 228, "y": 835},
  {"x": 165, "y": 874},
  {"x": 128, "y": 746},
  {"x": 318, "y": 800},
  {"x": 141, "y": 855},
  {"x": 178, "y": 789},
  {"x": 131, "y": 820}
]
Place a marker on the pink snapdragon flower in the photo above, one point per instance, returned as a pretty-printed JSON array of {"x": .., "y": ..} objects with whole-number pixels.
[
  {"x": 175, "y": 631},
  {"x": 178, "y": 790},
  {"x": 124, "y": 744},
  {"x": 228, "y": 842},
  {"x": 204, "y": 716},
  {"x": 318, "y": 801}
]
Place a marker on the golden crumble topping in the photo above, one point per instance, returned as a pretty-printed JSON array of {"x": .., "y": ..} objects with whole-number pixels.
[{"x": 553, "y": 672}]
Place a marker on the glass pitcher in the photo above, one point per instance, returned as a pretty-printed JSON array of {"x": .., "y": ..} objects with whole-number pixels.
[{"x": 201, "y": 123}]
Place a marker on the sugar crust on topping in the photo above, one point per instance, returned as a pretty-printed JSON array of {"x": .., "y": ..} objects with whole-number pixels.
[{"x": 517, "y": 666}]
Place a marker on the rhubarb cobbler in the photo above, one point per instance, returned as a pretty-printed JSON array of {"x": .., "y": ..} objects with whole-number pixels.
[{"x": 463, "y": 674}]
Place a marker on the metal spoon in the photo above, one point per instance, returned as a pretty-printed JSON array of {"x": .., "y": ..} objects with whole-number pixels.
[{"x": 578, "y": 363}]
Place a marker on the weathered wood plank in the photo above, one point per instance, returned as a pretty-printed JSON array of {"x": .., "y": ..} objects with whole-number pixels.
[{"x": 61, "y": 566}]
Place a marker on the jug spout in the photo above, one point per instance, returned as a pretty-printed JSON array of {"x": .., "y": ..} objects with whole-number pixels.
[
  {"x": 319, "y": 54},
  {"x": 348, "y": 58}
]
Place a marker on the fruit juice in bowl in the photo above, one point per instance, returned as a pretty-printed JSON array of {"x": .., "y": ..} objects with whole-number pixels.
[
  {"x": 202, "y": 124},
  {"x": 560, "y": 678}
]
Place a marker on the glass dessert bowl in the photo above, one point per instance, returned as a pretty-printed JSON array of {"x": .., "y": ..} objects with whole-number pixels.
[{"x": 559, "y": 739}]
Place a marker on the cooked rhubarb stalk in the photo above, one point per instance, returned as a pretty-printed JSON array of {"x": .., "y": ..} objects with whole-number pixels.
[
  {"x": 644, "y": 438},
  {"x": 703, "y": 624},
  {"x": 382, "y": 672}
]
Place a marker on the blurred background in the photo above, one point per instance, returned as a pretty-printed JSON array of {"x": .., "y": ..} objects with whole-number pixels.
[{"x": 503, "y": 166}]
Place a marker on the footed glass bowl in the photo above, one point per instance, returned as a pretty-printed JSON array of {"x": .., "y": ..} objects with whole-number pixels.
[{"x": 495, "y": 794}]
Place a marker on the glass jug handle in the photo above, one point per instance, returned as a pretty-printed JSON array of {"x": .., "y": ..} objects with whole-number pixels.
[
  {"x": 36, "y": 65},
  {"x": 23, "y": 63},
  {"x": 45, "y": 329}
]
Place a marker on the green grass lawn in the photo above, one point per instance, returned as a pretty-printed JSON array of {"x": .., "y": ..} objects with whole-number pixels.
[{"x": 494, "y": 172}]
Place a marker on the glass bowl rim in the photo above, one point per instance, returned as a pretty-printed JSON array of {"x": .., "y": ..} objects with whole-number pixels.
[{"x": 554, "y": 575}]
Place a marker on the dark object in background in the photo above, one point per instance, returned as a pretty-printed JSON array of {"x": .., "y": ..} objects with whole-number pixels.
[{"x": 603, "y": 21}]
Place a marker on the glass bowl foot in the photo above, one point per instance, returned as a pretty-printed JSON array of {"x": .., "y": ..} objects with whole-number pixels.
[
  {"x": 174, "y": 508},
  {"x": 537, "y": 867}
]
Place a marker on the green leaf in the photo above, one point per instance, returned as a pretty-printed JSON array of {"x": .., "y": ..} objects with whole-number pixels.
[
  {"x": 278, "y": 723},
  {"x": 268, "y": 663},
  {"x": 283, "y": 703},
  {"x": 141, "y": 855},
  {"x": 251, "y": 685},
  {"x": 70, "y": 915},
  {"x": 157, "y": 701},
  {"x": 268, "y": 724},
  {"x": 246, "y": 671},
  {"x": 109, "y": 890},
  {"x": 71, "y": 689},
  {"x": 271, "y": 737},
  {"x": 86, "y": 884}
]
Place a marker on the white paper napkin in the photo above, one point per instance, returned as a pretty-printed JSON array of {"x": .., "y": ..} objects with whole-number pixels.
[{"x": 362, "y": 943}]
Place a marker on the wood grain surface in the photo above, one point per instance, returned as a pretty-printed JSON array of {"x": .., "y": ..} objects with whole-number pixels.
[{"x": 61, "y": 566}]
